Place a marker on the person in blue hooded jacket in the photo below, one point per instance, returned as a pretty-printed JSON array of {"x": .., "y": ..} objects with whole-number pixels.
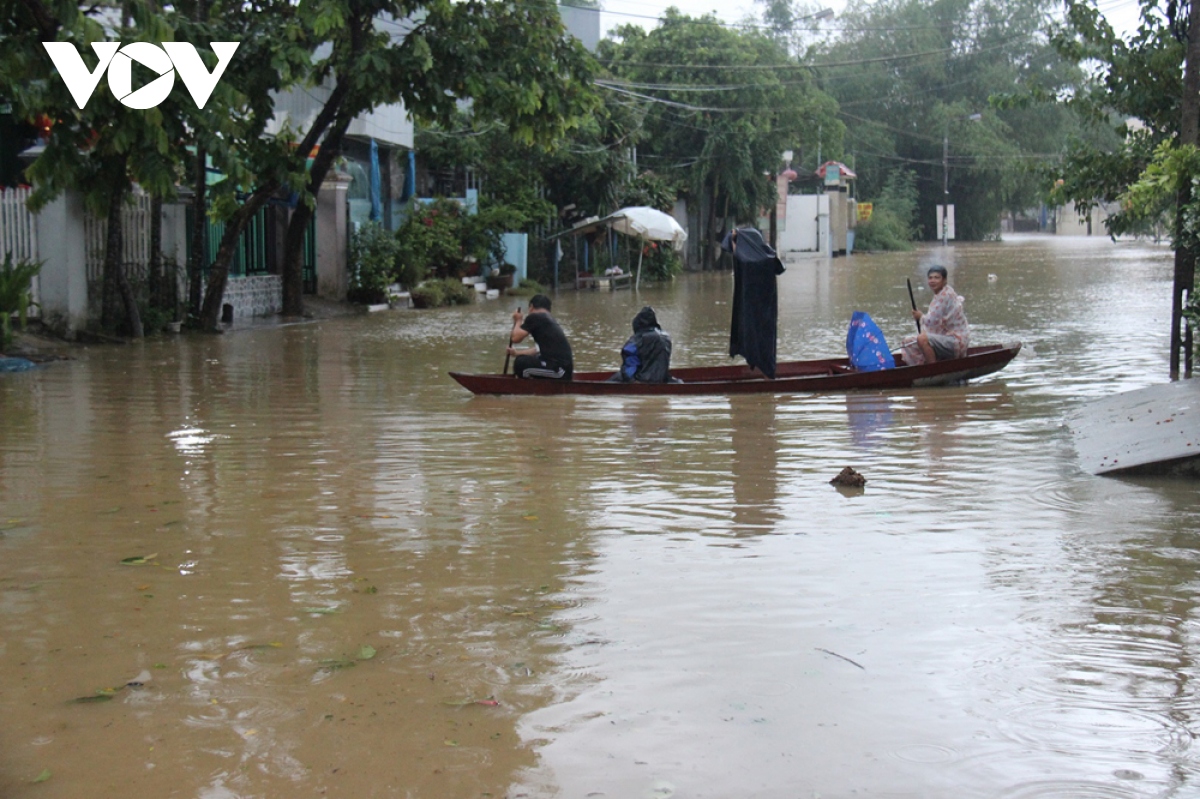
[{"x": 646, "y": 355}]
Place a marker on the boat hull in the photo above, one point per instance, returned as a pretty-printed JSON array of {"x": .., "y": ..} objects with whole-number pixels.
[{"x": 826, "y": 375}]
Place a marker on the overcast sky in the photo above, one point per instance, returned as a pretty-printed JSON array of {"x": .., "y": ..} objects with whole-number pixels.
[{"x": 1122, "y": 14}]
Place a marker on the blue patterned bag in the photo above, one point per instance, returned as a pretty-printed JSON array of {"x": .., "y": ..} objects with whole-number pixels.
[{"x": 865, "y": 345}]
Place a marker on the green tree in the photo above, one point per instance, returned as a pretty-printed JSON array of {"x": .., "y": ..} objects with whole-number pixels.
[
  {"x": 512, "y": 59},
  {"x": 587, "y": 169},
  {"x": 1153, "y": 77},
  {"x": 909, "y": 75},
  {"x": 100, "y": 149},
  {"x": 720, "y": 106},
  {"x": 103, "y": 148}
]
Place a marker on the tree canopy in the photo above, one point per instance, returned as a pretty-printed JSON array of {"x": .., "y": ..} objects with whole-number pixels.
[
  {"x": 719, "y": 107},
  {"x": 910, "y": 76},
  {"x": 1150, "y": 84},
  {"x": 512, "y": 60}
]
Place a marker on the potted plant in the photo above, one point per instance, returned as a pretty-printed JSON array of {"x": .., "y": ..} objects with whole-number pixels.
[
  {"x": 429, "y": 294},
  {"x": 502, "y": 277}
]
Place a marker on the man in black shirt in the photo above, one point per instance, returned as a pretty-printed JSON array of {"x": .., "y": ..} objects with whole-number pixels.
[{"x": 551, "y": 359}]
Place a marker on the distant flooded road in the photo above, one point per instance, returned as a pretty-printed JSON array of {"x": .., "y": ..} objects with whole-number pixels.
[{"x": 300, "y": 561}]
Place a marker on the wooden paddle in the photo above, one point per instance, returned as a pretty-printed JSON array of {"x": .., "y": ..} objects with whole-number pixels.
[
  {"x": 913, "y": 302},
  {"x": 508, "y": 354}
]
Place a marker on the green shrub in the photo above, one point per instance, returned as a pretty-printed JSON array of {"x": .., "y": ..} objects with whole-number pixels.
[
  {"x": 660, "y": 262},
  {"x": 373, "y": 253},
  {"x": 457, "y": 292},
  {"x": 436, "y": 238},
  {"x": 892, "y": 224},
  {"x": 884, "y": 231},
  {"x": 428, "y": 295},
  {"x": 154, "y": 320},
  {"x": 429, "y": 241},
  {"x": 15, "y": 293},
  {"x": 442, "y": 291},
  {"x": 527, "y": 289}
]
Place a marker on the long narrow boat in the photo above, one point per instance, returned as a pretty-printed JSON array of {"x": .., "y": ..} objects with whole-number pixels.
[{"x": 829, "y": 374}]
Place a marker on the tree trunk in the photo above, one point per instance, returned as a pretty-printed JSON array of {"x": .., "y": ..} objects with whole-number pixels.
[
  {"x": 218, "y": 274},
  {"x": 210, "y": 311},
  {"x": 710, "y": 238},
  {"x": 199, "y": 260},
  {"x": 117, "y": 292},
  {"x": 293, "y": 248},
  {"x": 1185, "y": 258}
]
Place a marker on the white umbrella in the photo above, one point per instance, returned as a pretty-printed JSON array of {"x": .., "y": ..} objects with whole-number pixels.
[{"x": 648, "y": 224}]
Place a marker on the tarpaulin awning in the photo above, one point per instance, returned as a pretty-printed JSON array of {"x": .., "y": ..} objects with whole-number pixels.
[{"x": 639, "y": 221}]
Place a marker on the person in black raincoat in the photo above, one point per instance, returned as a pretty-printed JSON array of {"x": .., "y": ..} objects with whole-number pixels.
[
  {"x": 755, "y": 298},
  {"x": 646, "y": 355}
]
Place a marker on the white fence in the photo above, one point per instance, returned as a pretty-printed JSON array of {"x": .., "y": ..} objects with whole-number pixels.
[
  {"x": 18, "y": 232},
  {"x": 135, "y": 236}
]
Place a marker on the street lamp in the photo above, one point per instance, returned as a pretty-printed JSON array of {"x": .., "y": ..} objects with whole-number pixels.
[{"x": 946, "y": 168}]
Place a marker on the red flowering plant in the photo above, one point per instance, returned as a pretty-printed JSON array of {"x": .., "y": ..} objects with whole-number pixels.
[{"x": 430, "y": 240}]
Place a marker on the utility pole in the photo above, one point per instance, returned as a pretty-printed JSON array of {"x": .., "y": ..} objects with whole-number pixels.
[
  {"x": 945, "y": 178},
  {"x": 946, "y": 169}
]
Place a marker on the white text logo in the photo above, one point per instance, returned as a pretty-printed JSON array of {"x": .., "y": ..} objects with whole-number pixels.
[{"x": 166, "y": 60}]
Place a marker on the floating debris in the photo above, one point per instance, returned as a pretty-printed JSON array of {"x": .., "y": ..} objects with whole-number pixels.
[{"x": 849, "y": 477}]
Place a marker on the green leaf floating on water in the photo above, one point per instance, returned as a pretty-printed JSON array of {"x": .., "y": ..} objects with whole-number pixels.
[
  {"x": 45, "y": 775},
  {"x": 138, "y": 560},
  {"x": 365, "y": 652},
  {"x": 94, "y": 698}
]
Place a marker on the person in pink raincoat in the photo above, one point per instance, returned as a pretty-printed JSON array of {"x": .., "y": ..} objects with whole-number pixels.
[{"x": 944, "y": 330}]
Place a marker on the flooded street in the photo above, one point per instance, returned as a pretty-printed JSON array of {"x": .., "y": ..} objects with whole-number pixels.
[{"x": 330, "y": 571}]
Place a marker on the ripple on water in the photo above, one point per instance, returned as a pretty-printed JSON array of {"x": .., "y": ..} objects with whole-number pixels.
[
  {"x": 1091, "y": 728},
  {"x": 1070, "y": 789},
  {"x": 925, "y": 753}
]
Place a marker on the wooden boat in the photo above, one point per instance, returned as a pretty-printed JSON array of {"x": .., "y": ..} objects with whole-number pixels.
[{"x": 829, "y": 374}]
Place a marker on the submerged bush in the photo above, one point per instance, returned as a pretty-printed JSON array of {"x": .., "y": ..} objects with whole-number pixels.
[
  {"x": 373, "y": 252},
  {"x": 442, "y": 291},
  {"x": 891, "y": 226}
]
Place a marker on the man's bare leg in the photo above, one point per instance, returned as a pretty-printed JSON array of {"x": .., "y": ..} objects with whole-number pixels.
[{"x": 926, "y": 348}]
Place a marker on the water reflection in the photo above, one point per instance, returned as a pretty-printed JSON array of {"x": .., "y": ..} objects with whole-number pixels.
[
  {"x": 755, "y": 464},
  {"x": 870, "y": 416},
  {"x": 583, "y": 596}
]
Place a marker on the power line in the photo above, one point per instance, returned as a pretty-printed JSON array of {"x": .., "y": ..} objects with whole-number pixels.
[{"x": 824, "y": 65}]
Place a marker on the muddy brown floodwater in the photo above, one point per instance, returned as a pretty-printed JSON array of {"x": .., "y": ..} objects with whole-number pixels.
[{"x": 335, "y": 573}]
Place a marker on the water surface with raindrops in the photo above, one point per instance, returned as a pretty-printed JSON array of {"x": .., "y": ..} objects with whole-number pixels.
[{"x": 299, "y": 560}]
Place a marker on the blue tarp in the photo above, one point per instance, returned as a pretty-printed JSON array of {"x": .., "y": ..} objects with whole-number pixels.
[
  {"x": 865, "y": 345},
  {"x": 376, "y": 183},
  {"x": 410, "y": 178},
  {"x": 15, "y": 365}
]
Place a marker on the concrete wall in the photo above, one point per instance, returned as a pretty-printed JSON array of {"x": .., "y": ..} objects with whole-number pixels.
[
  {"x": 807, "y": 227},
  {"x": 254, "y": 295},
  {"x": 1068, "y": 222},
  {"x": 62, "y": 250},
  {"x": 333, "y": 278},
  {"x": 64, "y": 283}
]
